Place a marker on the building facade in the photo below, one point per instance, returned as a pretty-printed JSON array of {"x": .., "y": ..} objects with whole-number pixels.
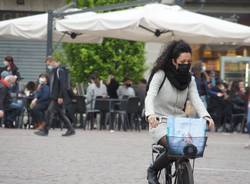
[
  {"x": 28, "y": 55},
  {"x": 237, "y": 11}
]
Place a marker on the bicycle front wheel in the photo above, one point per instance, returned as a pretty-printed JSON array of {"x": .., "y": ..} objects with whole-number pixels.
[
  {"x": 185, "y": 173},
  {"x": 164, "y": 176}
]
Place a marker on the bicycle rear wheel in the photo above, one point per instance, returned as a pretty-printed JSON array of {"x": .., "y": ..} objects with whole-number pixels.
[{"x": 184, "y": 174}]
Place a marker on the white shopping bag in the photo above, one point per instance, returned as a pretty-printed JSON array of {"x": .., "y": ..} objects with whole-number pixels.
[{"x": 185, "y": 131}]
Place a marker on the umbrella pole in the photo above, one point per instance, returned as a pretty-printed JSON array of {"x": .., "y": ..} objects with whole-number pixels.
[{"x": 50, "y": 33}]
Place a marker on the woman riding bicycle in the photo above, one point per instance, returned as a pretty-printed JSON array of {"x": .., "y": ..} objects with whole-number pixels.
[{"x": 169, "y": 87}]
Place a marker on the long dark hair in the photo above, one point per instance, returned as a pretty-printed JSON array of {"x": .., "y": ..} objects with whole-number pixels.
[
  {"x": 10, "y": 60},
  {"x": 173, "y": 51},
  {"x": 164, "y": 61}
]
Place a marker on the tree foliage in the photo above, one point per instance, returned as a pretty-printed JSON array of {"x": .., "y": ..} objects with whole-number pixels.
[
  {"x": 93, "y": 3},
  {"x": 121, "y": 58}
]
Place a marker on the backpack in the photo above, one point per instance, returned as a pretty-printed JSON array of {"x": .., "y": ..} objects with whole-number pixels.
[{"x": 67, "y": 79}]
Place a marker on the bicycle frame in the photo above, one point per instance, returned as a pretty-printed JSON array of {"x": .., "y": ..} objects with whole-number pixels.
[{"x": 183, "y": 172}]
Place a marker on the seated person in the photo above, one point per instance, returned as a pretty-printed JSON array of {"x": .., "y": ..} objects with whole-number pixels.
[
  {"x": 40, "y": 102},
  {"x": 11, "y": 68},
  {"x": 217, "y": 104},
  {"x": 30, "y": 89},
  {"x": 29, "y": 94},
  {"x": 126, "y": 89},
  {"x": 4, "y": 95},
  {"x": 112, "y": 86},
  {"x": 96, "y": 90},
  {"x": 238, "y": 101},
  {"x": 8, "y": 108}
]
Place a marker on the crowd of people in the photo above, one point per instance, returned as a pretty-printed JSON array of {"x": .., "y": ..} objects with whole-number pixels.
[
  {"x": 222, "y": 100},
  {"x": 226, "y": 102},
  {"x": 51, "y": 95},
  {"x": 171, "y": 85},
  {"x": 35, "y": 97}
]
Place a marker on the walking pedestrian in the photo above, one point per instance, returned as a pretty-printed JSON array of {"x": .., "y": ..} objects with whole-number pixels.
[{"x": 59, "y": 86}]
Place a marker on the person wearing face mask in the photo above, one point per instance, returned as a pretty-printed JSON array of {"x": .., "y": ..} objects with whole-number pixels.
[
  {"x": 169, "y": 87},
  {"x": 201, "y": 79},
  {"x": 7, "y": 110},
  {"x": 5, "y": 98},
  {"x": 96, "y": 89},
  {"x": 59, "y": 85},
  {"x": 10, "y": 66},
  {"x": 40, "y": 102},
  {"x": 126, "y": 90},
  {"x": 12, "y": 69}
]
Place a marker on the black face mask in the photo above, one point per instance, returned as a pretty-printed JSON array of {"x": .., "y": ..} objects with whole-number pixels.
[
  {"x": 128, "y": 85},
  {"x": 183, "y": 69}
]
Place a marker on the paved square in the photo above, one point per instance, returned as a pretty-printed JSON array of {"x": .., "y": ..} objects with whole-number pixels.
[{"x": 101, "y": 157}]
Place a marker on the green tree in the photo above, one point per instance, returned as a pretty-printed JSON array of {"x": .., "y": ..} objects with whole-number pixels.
[
  {"x": 121, "y": 58},
  {"x": 92, "y": 3}
]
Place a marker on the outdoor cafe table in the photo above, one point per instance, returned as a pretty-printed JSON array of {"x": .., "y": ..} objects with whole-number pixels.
[{"x": 111, "y": 102}]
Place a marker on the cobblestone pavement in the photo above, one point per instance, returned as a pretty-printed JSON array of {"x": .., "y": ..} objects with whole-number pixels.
[{"x": 101, "y": 157}]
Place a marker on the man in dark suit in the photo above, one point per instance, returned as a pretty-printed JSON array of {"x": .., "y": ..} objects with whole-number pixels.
[{"x": 59, "y": 97}]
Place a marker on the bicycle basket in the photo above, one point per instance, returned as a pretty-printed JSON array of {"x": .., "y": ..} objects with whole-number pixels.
[{"x": 186, "y": 137}]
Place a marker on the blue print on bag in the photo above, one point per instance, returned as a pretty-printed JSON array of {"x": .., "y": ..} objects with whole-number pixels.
[{"x": 183, "y": 132}]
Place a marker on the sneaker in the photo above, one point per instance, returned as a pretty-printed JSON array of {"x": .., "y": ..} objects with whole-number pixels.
[
  {"x": 69, "y": 133},
  {"x": 247, "y": 146},
  {"x": 221, "y": 129},
  {"x": 41, "y": 133},
  {"x": 40, "y": 126},
  {"x": 228, "y": 127}
]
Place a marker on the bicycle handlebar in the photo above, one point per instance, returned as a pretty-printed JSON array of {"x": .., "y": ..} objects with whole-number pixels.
[{"x": 163, "y": 119}]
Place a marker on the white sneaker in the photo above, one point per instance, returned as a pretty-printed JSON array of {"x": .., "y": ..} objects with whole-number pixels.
[{"x": 247, "y": 146}]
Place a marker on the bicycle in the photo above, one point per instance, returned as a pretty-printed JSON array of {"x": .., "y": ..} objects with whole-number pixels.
[{"x": 179, "y": 169}]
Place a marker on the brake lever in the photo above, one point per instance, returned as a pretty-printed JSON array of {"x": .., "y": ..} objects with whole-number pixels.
[{"x": 162, "y": 119}]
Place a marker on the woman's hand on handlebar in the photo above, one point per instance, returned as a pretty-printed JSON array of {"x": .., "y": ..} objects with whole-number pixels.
[
  {"x": 152, "y": 120},
  {"x": 210, "y": 122}
]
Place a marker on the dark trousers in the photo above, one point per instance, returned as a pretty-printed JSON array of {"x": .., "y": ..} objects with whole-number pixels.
[
  {"x": 57, "y": 109},
  {"x": 70, "y": 112},
  {"x": 13, "y": 111},
  {"x": 37, "y": 113}
]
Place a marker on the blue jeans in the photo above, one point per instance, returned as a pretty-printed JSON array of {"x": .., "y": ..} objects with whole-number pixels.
[{"x": 14, "y": 110}]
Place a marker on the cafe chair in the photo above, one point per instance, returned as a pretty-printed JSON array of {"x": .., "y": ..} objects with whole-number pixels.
[
  {"x": 103, "y": 108},
  {"x": 238, "y": 122},
  {"x": 80, "y": 109},
  {"x": 128, "y": 117}
]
